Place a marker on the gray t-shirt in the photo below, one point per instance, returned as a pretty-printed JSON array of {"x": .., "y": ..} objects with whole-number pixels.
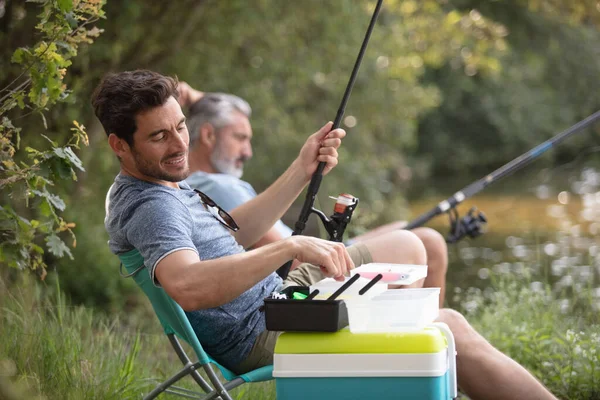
[
  {"x": 158, "y": 220},
  {"x": 229, "y": 192}
]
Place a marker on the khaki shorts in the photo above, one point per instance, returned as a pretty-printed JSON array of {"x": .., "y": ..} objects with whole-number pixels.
[{"x": 305, "y": 275}]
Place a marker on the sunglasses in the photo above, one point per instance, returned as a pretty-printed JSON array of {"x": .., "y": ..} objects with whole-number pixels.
[{"x": 223, "y": 216}]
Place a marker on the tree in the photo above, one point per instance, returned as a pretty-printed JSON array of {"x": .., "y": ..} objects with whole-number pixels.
[
  {"x": 419, "y": 92},
  {"x": 545, "y": 84},
  {"x": 26, "y": 175}
]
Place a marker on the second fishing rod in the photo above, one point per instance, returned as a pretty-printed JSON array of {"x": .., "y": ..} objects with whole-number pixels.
[{"x": 471, "y": 224}]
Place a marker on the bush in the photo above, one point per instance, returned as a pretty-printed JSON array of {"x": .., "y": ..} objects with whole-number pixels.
[{"x": 557, "y": 341}]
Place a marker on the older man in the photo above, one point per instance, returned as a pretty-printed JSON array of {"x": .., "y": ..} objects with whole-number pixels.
[{"x": 220, "y": 144}]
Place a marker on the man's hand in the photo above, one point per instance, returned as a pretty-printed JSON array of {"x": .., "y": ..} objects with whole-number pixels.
[
  {"x": 321, "y": 147},
  {"x": 187, "y": 94},
  {"x": 332, "y": 257}
]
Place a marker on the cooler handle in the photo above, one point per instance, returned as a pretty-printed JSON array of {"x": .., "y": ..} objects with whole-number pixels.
[{"x": 451, "y": 357}]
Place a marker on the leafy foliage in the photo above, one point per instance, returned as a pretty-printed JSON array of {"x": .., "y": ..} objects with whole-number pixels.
[
  {"x": 27, "y": 179},
  {"x": 557, "y": 345},
  {"x": 545, "y": 85},
  {"x": 292, "y": 64},
  {"x": 445, "y": 87}
]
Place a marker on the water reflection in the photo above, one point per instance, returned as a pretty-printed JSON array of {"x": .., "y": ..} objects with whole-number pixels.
[{"x": 547, "y": 235}]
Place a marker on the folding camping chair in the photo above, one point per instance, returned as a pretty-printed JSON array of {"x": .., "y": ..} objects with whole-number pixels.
[{"x": 176, "y": 324}]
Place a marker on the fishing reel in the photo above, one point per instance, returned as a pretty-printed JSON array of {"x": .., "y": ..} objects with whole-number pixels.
[
  {"x": 471, "y": 225},
  {"x": 336, "y": 224}
]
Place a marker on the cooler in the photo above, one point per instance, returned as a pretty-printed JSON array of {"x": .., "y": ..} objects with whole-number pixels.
[{"x": 419, "y": 365}]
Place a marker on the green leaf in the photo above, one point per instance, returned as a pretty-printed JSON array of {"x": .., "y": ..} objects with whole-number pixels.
[
  {"x": 24, "y": 224},
  {"x": 71, "y": 19},
  {"x": 61, "y": 168},
  {"x": 56, "y": 201},
  {"x": 75, "y": 161},
  {"x": 65, "y": 5},
  {"x": 38, "y": 181},
  {"x": 37, "y": 249},
  {"x": 19, "y": 55},
  {"x": 59, "y": 151},
  {"x": 57, "y": 247},
  {"x": 7, "y": 123}
]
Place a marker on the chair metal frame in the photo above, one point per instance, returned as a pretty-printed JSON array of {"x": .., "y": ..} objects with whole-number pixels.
[{"x": 177, "y": 326}]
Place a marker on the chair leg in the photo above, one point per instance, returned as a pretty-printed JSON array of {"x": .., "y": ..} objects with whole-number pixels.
[
  {"x": 166, "y": 384},
  {"x": 226, "y": 387},
  {"x": 220, "y": 390},
  {"x": 186, "y": 360}
]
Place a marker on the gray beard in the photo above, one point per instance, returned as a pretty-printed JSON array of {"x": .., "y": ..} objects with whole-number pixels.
[{"x": 224, "y": 166}]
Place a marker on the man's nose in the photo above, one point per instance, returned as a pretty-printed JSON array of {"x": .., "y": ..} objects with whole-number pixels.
[
  {"x": 181, "y": 142},
  {"x": 247, "y": 151}
]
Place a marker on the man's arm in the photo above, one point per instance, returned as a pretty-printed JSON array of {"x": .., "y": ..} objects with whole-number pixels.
[
  {"x": 187, "y": 94},
  {"x": 196, "y": 284},
  {"x": 258, "y": 215},
  {"x": 272, "y": 236},
  {"x": 160, "y": 227}
]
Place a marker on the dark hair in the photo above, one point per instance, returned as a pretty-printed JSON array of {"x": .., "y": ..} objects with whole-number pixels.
[{"x": 121, "y": 96}]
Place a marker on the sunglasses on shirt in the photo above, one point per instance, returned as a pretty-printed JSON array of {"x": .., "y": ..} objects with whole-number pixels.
[{"x": 225, "y": 219}]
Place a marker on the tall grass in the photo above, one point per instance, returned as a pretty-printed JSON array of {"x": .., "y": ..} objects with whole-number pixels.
[
  {"x": 55, "y": 351},
  {"x": 66, "y": 352},
  {"x": 559, "y": 345}
]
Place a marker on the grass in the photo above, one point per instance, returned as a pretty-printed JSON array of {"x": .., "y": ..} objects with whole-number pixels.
[
  {"x": 55, "y": 351},
  {"x": 559, "y": 344},
  {"x": 50, "y": 350}
]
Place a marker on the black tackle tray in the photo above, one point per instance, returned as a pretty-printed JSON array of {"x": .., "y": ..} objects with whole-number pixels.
[{"x": 305, "y": 315}]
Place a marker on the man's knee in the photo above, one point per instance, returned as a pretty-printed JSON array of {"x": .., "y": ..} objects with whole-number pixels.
[
  {"x": 465, "y": 336},
  {"x": 455, "y": 320},
  {"x": 435, "y": 245},
  {"x": 432, "y": 239},
  {"x": 397, "y": 247},
  {"x": 411, "y": 241}
]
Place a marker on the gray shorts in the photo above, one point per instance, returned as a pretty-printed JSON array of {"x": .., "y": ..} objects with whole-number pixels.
[{"x": 305, "y": 275}]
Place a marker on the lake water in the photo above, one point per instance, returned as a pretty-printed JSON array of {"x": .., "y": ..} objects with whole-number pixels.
[{"x": 543, "y": 226}]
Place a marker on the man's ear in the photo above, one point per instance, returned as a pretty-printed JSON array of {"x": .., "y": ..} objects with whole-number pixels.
[
  {"x": 118, "y": 145},
  {"x": 207, "y": 135}
]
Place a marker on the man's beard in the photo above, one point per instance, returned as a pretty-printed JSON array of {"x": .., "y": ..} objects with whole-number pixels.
[
  {"x": 224, "y": 165},
  {"x": 154, "y": 171}
]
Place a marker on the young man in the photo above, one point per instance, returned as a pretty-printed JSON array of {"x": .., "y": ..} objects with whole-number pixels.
[
  {"x": 220, "y": 144},
  {"x": 198, "y": 257}
]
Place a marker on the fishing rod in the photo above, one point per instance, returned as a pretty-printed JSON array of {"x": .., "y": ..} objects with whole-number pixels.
[
  {"x": 472, "y": 224},
  {"x": 315, "y": 182}
]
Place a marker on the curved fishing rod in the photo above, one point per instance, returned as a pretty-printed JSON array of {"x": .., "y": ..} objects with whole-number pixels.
[
  {"x": 315, "y": 181},
  {"x": 471, "y": 224}
]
